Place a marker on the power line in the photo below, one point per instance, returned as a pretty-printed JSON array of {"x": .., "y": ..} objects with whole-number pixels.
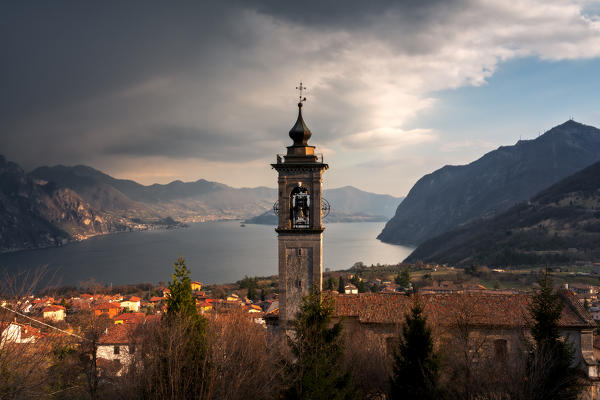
[{"x": 43, "y": 323}]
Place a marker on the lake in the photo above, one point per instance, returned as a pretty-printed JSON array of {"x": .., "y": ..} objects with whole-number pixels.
[{"x": 215, "y": 252}]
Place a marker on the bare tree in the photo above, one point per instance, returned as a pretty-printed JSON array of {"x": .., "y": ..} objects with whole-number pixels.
[
  {"x": 24, "y": 351},
  {"x": 365, "y": 354},
  {"x": 241, "y": 362}
]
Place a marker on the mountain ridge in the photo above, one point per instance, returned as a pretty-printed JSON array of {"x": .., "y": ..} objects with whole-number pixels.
[
  {"x": 560, "y": 224},
  {"x": 454, "y": 195}
]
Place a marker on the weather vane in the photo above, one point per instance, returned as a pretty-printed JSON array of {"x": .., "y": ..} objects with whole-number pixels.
[{"x": 301, "y": 88}]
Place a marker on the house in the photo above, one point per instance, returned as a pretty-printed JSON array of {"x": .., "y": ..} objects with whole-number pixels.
[
  {"x": 156, "y": 299},
  {"x": 13, "y": 332},
  {"x": 196, "y": 286},
  {"x": 166, "y": 292},
  {"x": 133, "y": 304},
  {"x": 109, "y": 309},
  {"x": 80, "y": 304},
  {"x": 498, "y": 319},
  {"x": 388, "y": 289},
  {"x": 271, "y": 306},
  {"x": 233, "y": 297},
  {"x": 350, "y": 289},
  {"x": 116, "y": 344},
  {"x": 129, "y": 318},
  {"x": 54, "y": 313},
  {"x": 253, "y": 309},
  {"x": 205, "y": 307}
]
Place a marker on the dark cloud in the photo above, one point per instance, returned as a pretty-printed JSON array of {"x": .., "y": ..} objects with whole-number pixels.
[
  {"x": 350, "y": 14},
  {"x": 56, "y": 53},
  {"x": 115, "y": 80},
  {"x": 180, "y": 142}
]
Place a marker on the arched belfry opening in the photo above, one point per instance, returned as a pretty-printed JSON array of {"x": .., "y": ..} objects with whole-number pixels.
[{"x": 300, "y": 209}]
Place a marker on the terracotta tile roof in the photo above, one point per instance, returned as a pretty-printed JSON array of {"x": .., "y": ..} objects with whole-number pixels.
[
  {"x": 479, "y": 308},
  {"x": 134, "y": 299},
  {"x": 117, "y": 334},
  {"x": 53, "y": 308},
  {"x": 130, "y": 318},
  {"x": 104, "y": 306},
  {"x": 156, "y": 298},
  {"x": 26, "y": 330},
  {"x": 80, "y": 304}
]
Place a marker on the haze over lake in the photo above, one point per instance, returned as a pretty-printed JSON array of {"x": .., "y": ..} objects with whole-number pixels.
[{"x": 215, "y": 252}]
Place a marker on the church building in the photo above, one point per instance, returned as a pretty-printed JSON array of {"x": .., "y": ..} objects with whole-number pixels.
[{"x": 300, "y": 230}]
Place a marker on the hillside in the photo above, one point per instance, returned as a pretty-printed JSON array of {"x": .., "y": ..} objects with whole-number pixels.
[
  {"x": 455, "y": 195},
  {"x": 36, "y": 214},
  {"x": 199, "y": 200},
  {"x": 559, "y": 225},
  {"x": 184, "y": 201}
]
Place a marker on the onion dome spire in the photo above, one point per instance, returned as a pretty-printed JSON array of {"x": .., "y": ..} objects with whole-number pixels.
[{"x": 300, "y": 132}]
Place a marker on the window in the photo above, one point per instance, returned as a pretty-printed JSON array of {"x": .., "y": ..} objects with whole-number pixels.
[
  {"x": 116, "y": 350},
  {"x": 500, "y": 349}
]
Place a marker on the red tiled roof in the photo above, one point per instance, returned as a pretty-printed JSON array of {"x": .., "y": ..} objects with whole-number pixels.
[
  {"x": 86, "y": 296},
  {"x": 476, "y": 308},
  {"x": 130, "y": 318},
  {"x": 26, "y": 330},
  {"x": 103, "y": 306},
  {"x": 52, "y": 308},
  {"x": 156, "y": 298},
  {"x": 134, "y": 299},
  {"x": 117, "y": 334}
]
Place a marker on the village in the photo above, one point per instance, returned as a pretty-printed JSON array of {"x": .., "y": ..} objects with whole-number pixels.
[{"x": 30, "y": 318}]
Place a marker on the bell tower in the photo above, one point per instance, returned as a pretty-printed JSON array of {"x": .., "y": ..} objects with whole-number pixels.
[{"x": 299, "y": 228}]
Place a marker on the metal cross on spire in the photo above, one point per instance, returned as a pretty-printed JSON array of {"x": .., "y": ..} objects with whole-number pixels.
[{"x": 301, "y": 88}]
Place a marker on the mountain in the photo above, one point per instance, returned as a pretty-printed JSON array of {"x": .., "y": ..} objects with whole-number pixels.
[
  {"x": 455, "y": 195},
  {"x": 559, "y": 225},
  {"x": 191, "y": 201},
  {"x": 34, "y": 214},
  {"x": 348, "y": 204},
  {"x": 350, "y": 200},
  {"x": 184, "y": 201},
  {"x": 54, "y": 205}
]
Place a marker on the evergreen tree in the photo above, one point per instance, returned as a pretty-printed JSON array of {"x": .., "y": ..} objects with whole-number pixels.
[
  {"x": 416, "y": 366},
  {"x": 341, "y": 285},
  {"x": 318, "y": 371},
  {"x": 188, "y": 351},
  {"x": 403, "y": 278},
  {"x": 360, "y": 285},
  {"x": 551, "y": 375},
  {"x": 330, "y": 284},
  {"x": 252, "y": 293},
  {"x": 180, "y": 300}
]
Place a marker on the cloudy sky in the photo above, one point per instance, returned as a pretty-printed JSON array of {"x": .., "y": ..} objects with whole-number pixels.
[{"x": 186, "y": 90}]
